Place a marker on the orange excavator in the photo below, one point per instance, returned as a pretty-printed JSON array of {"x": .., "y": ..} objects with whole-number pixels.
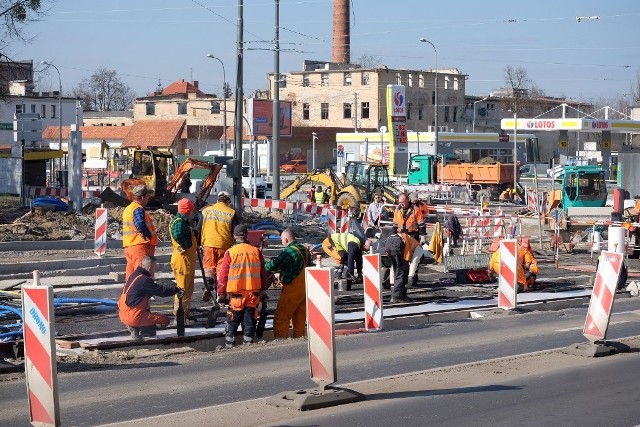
[{"x": 154, "y": 176}]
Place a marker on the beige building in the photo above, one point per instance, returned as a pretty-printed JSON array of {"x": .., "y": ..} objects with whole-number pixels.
[{"x": 330, "y": 95}]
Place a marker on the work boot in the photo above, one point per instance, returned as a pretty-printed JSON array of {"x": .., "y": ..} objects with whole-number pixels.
[
  {"x": 413, "y": 281},
  {"x": 148, "y": 331},
  {"x": 399, "y": 299},
  {"x": 135, "y": 333}
]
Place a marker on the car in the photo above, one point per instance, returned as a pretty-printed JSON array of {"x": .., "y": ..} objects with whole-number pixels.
[
  {"x": 294, "y": 166},
  {"x": 261, "y": 185}
]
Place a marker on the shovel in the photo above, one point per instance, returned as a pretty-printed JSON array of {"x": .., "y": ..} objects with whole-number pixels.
[
  {"x": 262, "y": 320},
  {"x": 180, "y": 318}
]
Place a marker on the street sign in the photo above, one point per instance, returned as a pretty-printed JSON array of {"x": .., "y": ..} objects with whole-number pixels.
[
  {"x": 606, "y": 145},
  {"x": 27, "y": 127},
  {"x": 564, "y": 144},
  {"x": 340, "y": 152}
]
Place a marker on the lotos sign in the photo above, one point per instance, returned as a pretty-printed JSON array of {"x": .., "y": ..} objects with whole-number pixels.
[
  {"x": 540, "y": 124},
  {"x": 599, "y": 124}
]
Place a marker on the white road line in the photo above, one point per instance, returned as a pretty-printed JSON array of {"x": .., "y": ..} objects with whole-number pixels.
[{"x": 579, "y": 328}]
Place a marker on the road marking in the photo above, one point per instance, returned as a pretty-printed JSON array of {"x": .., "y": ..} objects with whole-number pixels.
[{"x": 579, "y": 328}]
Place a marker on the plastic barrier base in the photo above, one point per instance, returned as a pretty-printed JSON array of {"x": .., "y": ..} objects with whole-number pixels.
[{"x": 305, "y": 400}]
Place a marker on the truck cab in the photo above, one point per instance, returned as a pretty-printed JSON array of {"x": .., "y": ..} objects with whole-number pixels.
[
  {"x": 421, "y": 170},
  {"x": 583, "y": 186}
]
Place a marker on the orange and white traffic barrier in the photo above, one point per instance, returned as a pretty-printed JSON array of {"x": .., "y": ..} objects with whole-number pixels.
[
  {"x": 332, "y": 220},
  {"x": 604, "y": 290},
  {"x": 100, "y": 239},
  {"x": 508, "y": 274},
  {"x": 497, "y": 224},
  {"x": 373, "y": 319},
  {"x": 344, "y": 224},
  {"x": 58, "y": 192},
  {"x": 321, "y": 325},
  {"x": 40, "y": 353}
]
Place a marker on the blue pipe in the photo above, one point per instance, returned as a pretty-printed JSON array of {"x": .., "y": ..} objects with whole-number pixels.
[
  {"x": 10, "y": 309},
  {"x": 107, "y": 302},
  {"x": 7, "y": 336}
]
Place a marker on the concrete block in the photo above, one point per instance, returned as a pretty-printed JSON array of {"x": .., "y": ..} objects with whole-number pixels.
[
  {"x": 597, "y": 349},
  {"x": 117, "y": 276},
  {"x": 305, "y": 400}
]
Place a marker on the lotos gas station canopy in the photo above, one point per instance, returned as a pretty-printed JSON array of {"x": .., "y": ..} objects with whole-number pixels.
[{"x": 579, "y": 125}]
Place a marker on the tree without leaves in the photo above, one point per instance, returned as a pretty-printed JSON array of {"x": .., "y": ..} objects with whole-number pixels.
[
  {"x": 226, "y": 90},
  {"x": 368, "y": 61},
  {"x": 104, "y": 91}
]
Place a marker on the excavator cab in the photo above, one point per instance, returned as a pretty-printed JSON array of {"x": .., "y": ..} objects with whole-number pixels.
[{"x": 151, "y": 168}]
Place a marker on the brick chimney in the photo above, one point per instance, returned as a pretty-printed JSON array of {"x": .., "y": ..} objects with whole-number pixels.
[
  {"x": 195, "y": 84},
  {"x": 341, "y": 51}
]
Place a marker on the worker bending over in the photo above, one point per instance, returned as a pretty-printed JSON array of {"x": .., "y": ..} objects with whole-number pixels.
[
  {"x": 139, "y": 236},
  {"x": 134, "y": 300},
  {"x": 408, "y": 219},
  {"x": 405, "y": 254},
  {"x": 242, "y": 281},
  {"x": 527, "y": 265},
  {"x": 292, "y": 303},
  {"x": 346, "y": 248},
  {"x": 183, "y": 257}
]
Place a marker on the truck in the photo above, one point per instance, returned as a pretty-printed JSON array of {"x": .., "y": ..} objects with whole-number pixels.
[{"x": 457, "y": 179}]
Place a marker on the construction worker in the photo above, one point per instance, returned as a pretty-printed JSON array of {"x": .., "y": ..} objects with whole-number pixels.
[
  {"x": 346, "y": 248},
  {"x": 527, "y": 265},
  {"x": 419, "y": 204},
  {"x": 506, "y": 195},
  {"x": 139, "y": 236},
  {"x": 134, "y": 301},
  {"x": 395, "y": 248},
  {"x": 290, "y": 263},
  {"x": 409, "y": 219},
  {"x": 319, "y": 195},
  {"x": 242, "y": 281},
  {"x": 183, "y": 258},
  {"x": 412, "y": 254},
  {"x": 311, "y": 194},
  {"x": 216, "y": 236}
]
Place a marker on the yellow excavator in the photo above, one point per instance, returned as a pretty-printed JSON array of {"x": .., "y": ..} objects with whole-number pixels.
[{"x": 362, "y": 180}]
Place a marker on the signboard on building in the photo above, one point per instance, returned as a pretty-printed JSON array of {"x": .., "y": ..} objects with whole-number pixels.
[
  {"x": 260, "y": 115},
  {"x": 397, "y": 119},
  {"x": 27, "y": 127}
]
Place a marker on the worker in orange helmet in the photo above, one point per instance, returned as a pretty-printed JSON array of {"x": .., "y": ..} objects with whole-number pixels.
[
  {"x": 527, "y": 265},
  {"x": 183, "y": 257},
  {"x": 139, "y": 236}
]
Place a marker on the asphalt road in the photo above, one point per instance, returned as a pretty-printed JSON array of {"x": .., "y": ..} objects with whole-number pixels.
[{"x": 139, "y": 388}]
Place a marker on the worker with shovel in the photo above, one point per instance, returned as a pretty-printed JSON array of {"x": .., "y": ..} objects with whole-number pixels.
[{"x": 183, "y": 258}]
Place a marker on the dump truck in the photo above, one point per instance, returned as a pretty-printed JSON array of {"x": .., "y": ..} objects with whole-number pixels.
[{"x": 458, "y": 180}]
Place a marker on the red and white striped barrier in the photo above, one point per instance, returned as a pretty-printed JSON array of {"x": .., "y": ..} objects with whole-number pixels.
[
  {"x": 321, "y": 325},
  {"x": 100, "y": 239},
  {"x": 40, "y": 353},
  {"x": 508, "y": 274},
  {"x": 332, "y": 220},
  {"x": 344, "y": 224},
  {"x": 271, "y": 204},
  {"x": 373, "y": 319},
  {"x": 535, "y": 204},
  {"x": 604, "y": 290},
  {"x": 497, "y": 224},
  {"x": 59, "y": 192}
]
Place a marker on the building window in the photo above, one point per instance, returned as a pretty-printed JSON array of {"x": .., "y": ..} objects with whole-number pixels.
[
  {"x": 19, "y": 108},
  {"x": 410, "y": 80},
  {"x": 420, "y": 80},
  {"x": 53, "y": 111},
  {"x": 346, "y": 79},
  {"x": 305, "y": 111},
  {"x": 421, "y": 112},
  {"x": 282, "y": 82},
  {"x": 455, "y": 84},
  {"x": 433, "y": 97},
  {"x": 446, "y": 82},
  {"x": 215, "y": 107},
  {"x": 398, "y": 78},
  {"x": 43, "y": 111},
  {"x": 324, "y": 111},
  {"x": 151, "y": 108},
  {"x": 491, "y": 106},
  {"x": 364, "y": 78},
  {"x": 455, "y": 114},
  {"x": 33, "y": 108},
  {"x": 182, "y": 108},
  {"x": 409, "y": 111},
  {"x": 346, "y": 110},
  {"x": 305, "y": 80},
  {"x": 446, "y": 114},
  {"x": 324, "y": 79},
  {"x": 364, "y": 108}
]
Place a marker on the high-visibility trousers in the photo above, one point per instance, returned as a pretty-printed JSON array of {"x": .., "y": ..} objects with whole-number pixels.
[
  {"x": 134, "y": 254},
  {"x": 291, "y": 308}
]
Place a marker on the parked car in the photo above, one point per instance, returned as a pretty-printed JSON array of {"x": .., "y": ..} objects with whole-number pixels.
[
  {"x": 527, "y": 170},
  {"x": 261, "y": 184},
  {"x": 294, "y": 166}
]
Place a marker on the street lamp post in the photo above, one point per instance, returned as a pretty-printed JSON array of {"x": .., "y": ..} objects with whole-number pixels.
[
  {"x": 515, "y": 149},
  {"x": 224, "y": 97},
  {"x": 435, "y": 104},
  {"x": 48, "y": 64},
  {"x": 473, "y": 127},
  {"x": 314, "y": 136}
]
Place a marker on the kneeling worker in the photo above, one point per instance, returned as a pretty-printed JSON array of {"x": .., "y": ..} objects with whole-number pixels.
[
  {"x": 134, "y": 301},
  {"x": 346, "y": 248},
  {"x": 527, "y": 265}
]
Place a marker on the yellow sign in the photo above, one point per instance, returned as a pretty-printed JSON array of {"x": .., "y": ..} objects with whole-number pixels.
[
  {"x": 606, "y": 145},
  {"x": 564, "y": 144}
]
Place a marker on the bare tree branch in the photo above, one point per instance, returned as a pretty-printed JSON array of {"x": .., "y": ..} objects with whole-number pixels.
[{"x": 104, "y": 91}]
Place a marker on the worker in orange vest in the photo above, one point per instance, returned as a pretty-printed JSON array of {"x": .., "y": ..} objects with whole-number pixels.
[
  {"x": 527, "y": 265},
  {"x": 139, "y": 236},
  {"x": 134, "y": 301},
  {"x": 242, "y": 281},
  {"x": 408, "y": 218},
  {"x": 216, "y": 234}
]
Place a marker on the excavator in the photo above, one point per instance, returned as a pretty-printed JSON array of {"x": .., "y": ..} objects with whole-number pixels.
[
  {"x": 155, "y": 178},
  {"x": 363, "y": 179}
]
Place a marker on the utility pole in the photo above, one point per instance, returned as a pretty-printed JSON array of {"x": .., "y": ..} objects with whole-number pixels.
[
  {"x": 355, "y": 110},
  {"x": 275, "y": 185},
  {"x": 237, "y": 176}
]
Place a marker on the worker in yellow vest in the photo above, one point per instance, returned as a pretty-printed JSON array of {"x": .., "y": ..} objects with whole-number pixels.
[{"x": 139, "y": 237}]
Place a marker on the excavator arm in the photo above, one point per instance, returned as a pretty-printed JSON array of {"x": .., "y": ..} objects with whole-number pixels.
[
  {"x": 327, "y": 177},
  {"x": 183, "y": 171}
]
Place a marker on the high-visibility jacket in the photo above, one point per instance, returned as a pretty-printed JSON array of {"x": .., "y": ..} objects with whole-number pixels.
[
  {"x": 341, "y": 241},
  {"x": 245, "y": 267},
  {"x": 526, "y": 262},
  {"x": 410, "y": 245},
  {"x": 130, "y": 234},
  {"x": 319, "y": 196},
  {"x": 217, "y": 229},
  {"x": 407, "y": 222}
]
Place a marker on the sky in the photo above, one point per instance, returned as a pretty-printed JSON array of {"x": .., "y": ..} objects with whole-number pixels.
[{"x": 147, "y": 41}]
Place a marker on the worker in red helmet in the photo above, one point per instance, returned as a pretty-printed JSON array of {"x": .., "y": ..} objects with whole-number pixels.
[{"x": 183, "y": 257}]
